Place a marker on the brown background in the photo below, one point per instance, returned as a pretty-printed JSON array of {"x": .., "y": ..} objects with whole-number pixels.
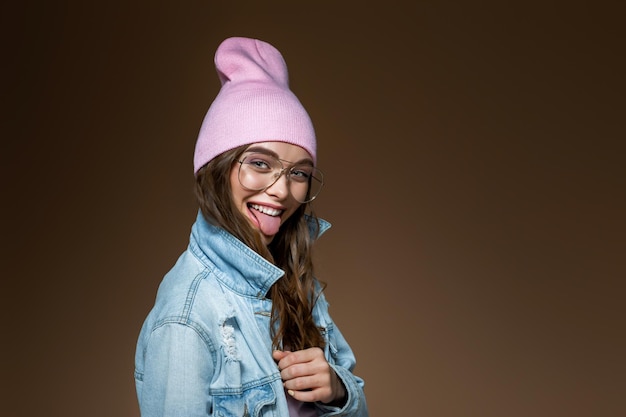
[{"x": 475, "y": 163}]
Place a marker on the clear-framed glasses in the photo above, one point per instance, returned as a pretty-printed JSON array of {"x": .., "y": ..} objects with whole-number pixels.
[{"x": 259, "y": 171}]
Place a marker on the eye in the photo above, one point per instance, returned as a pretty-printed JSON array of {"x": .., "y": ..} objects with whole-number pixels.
[
  {"x": 301, "y": 173},
  {"x": 258, "y": 162}
]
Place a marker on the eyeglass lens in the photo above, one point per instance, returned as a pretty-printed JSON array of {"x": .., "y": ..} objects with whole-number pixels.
[{"x": 258, "y": 171}]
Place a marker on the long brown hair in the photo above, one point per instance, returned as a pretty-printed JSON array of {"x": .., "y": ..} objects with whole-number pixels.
[{"x": 294, "y": 295}]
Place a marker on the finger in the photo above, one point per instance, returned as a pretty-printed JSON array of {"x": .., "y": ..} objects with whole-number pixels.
[
  {"x": 296, "y": 370},
  {"x": 303, "y": 383},
  {"x": 302, "y": 356},
  {"x": 310, "y": 395},
  {"x": 289, "y": 359},
  {"x": 279, "y": 354},
  {"x": 310, "y": 354},
  {"x": 282, "y": 359}
]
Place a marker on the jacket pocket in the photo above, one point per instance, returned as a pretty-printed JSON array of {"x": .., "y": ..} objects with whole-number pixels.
[{"x": 254, "y": 402}]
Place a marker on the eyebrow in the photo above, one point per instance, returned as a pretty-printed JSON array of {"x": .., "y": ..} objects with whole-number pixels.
[{"x": 266, "y": 151}]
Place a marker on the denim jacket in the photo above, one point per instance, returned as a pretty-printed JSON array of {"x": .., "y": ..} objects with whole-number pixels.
[{"x": 205, "y": 347}]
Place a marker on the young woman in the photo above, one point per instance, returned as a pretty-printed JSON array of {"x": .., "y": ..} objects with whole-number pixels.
[{"x": 240, "y": 325}]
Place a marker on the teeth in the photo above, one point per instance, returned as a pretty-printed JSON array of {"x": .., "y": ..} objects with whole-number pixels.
[{"x": 266, "y": 210}]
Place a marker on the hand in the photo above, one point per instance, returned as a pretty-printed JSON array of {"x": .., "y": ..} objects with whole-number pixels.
[{"x": 308, "y": 377}]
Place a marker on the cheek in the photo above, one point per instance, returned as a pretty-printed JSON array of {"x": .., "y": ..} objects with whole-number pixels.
[
  {"x": 237, "y": 193},
  {"x": 290, "y": 212},
  {"x": 234, "y": 180}
]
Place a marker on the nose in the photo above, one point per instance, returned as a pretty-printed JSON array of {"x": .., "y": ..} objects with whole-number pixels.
[{"x": 280, "y": 187}]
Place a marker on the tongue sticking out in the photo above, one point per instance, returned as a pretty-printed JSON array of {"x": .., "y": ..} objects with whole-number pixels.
[{"x": 269, "y": 225}]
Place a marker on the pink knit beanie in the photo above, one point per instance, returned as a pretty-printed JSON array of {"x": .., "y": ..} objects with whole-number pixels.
[{"x": 254, "y": 104}]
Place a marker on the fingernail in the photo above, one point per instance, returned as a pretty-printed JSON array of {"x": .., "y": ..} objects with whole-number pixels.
[{"x": 290, "y": 392}]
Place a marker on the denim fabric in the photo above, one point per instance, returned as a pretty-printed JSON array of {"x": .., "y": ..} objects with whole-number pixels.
[{"x": 205, "y": 347}]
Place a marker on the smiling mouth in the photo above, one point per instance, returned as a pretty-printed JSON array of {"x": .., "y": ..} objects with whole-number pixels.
[
  {"x": 266, "y": 210},
  {"x": 267, "y": 219}
]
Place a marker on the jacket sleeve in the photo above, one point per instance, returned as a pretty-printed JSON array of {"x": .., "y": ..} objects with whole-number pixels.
[
  {"x": 177, "y": 371},
  {"x": 343, "y": 363}
]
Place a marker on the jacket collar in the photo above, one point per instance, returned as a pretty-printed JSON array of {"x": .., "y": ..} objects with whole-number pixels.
[{"x": 234, "y": 264}]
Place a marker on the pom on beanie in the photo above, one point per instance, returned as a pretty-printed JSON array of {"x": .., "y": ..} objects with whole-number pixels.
[{"x": 254, "y": 103}]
